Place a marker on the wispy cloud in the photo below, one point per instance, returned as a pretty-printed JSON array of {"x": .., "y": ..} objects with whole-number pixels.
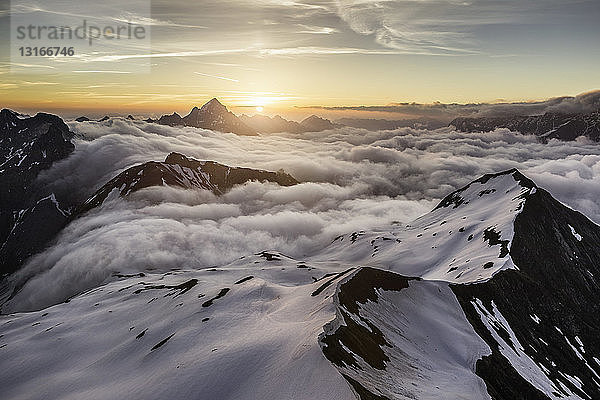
[
  {"x": 140, "y": 20},
  {"x": 100, "y": 71},
  {"x": 313, "y": 50},
  {"x": 283, "y": 51},
  {"x": 409, "y": 26},
  {"x": 119, "y": 57},
  {"x": 585, "y": 102},
  {"x": 37, "y": 83},
  {"x": 318, "y": 30},
  {"x": 216, "y": 77},
  {"x": 432, "y": 25}
]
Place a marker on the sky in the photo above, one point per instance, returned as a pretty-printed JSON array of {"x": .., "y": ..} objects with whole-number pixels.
[{"x": 276, "y": 56}]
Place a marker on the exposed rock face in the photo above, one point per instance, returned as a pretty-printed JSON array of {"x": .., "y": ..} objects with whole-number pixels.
[
  {"x": 528, "y": 330},
  {"x": 29, "y": 217},
  {"x": 546, "y": 312},
  {"x": 212, "y": 115},
  {"x": 180, "y": 171},
  {"x": 548, "y": 126}
]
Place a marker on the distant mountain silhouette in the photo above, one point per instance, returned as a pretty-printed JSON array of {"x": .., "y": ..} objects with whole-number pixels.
[
  {"x": 317, "y": 124},
  {"x": 386, "y": 124},
  {"x": 276, "y": 124},
  {"x": 546, "y": 126},
  {"x": 212, "y": 115}
]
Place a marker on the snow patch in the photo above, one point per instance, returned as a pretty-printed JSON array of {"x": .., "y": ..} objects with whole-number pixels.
[
  {"x": 514, "y": 352},
  {"x": 577, "y": 235}
]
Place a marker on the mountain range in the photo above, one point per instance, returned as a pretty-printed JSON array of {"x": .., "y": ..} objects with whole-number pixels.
[
  {"x": 31, "y": 216},
  {"x": 212, "y": 115},
  {"x": 547, "y": 126},
  {"x": 551, "y": 125},
  {"x": 215, "y": 116},
  {"x": 491, "y": 295},
  {"x": 276, "y": 124}
]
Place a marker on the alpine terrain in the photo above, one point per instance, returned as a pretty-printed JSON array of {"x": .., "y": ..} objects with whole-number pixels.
[{"x": 491, "y": 295}]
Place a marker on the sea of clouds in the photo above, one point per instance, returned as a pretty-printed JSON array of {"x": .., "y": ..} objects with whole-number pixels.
[{"x": 352, "y": 180}]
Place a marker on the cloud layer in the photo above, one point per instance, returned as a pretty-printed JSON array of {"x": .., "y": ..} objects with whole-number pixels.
[
  {"x": 583, "y": 103},
  {"x": 352, "y": 180}
]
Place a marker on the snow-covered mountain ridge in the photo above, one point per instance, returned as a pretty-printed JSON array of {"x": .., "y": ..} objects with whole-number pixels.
[
  {"x": 465, "y": 239},
  {"x": 492, "y": 295},
  {"x": 180, "y": 171}
]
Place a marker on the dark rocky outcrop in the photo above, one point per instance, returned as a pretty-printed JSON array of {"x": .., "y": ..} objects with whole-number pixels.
[
  {"x": 550, "y": 302},
  {"x": 29, "y": 216},
  {"x": 547, "y": 126},
  {"x": 180, "y": 171}
]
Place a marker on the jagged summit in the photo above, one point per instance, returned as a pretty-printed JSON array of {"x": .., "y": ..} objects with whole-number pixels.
[
  {"x": 213, "y": 105},
  {"x": 213, "y": 115},
  {"x": 316, "y": 124},
  {"x": 7, "y": 115},
  {"x": 465, "y": 239},
  {"x": 485, "y": 186}
]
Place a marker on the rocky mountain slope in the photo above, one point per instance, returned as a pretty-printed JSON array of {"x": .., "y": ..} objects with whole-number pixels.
[
  {"x": 180, "y": 171},
  {"x": 491, "y": 295},
  {"x": 212, "y": 115},
  {"x": 546, "y": 126},
  {"x": 29, "y": 216}
]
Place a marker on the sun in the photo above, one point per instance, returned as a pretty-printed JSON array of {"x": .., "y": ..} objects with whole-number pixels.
[{"x": 259, "y": 109}]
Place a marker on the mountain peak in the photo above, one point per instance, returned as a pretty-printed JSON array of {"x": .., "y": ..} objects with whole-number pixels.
[
  {"x": 312, "y": 118},
  {"x": 213, "y": 115},
  {"x": 213, "y": 104},
  {"x": 317, "y": 124},
  {"x": 499, "y": 184},
  {"x": 7, "y": 115}
]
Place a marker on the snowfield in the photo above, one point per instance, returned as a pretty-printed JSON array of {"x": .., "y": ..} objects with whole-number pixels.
[
  {"x": 172, "y": 336},
  {"x": 465, "y": 239}
]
